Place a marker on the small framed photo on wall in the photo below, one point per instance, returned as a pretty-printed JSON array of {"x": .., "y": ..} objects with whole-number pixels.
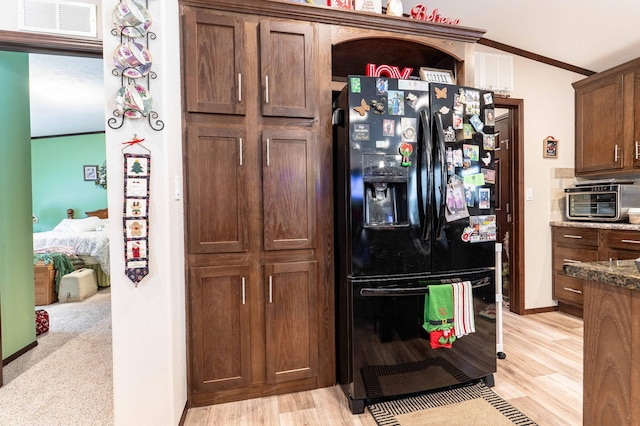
[
  {"x": 550, "y": 147},
  {"x": 90, "y": 172}
]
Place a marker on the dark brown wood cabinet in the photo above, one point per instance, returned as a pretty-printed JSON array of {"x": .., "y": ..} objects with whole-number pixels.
[
  {"x": 579, "y": 244},
  {"x": 608, "y": 122},
  {"x": 217, "y": 177},
  {"x": 288, "y": 189},
  {"x": 291, "y": 323},
  {"x": 214, "y": 62},
  {"x": 252, "y": 200},
  {"x": 259, "y": 79},
  {"x": 621, "y": 245},
  {"x": 611, "y": 342},
  {"x": 287, "y": 68},
  {"x": 219, "y": 52},
  {"x": 220, "y": 353}
]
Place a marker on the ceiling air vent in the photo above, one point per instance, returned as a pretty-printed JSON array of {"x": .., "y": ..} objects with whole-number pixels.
[{"x": 59, "y": 17}]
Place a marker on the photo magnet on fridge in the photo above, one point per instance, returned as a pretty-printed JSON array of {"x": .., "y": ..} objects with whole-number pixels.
[
  {"x": 456, "y": 203},
  {"x": 389, "y": 127}
]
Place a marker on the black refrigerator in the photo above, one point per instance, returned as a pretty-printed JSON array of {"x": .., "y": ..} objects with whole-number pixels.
[{"x": 415, "y": 206}]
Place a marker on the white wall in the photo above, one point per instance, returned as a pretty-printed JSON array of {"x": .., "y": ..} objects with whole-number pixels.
[
  {"x": 149, "y": 344},
  {"x": 548, "y": 110}
]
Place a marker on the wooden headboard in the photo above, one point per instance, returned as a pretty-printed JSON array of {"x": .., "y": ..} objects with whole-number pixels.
[{"x": 102, "y": 213}]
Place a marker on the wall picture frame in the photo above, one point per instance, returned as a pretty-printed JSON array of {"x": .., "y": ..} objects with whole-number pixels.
[
  {"x": 434, "y": 75},
  {"x": 550, "y": 147},
  {"x": 90, "y": 173}
]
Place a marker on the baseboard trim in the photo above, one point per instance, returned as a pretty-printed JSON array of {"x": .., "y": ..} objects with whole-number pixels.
[
  {"x": 540, "y": 310},
  {"x": 183, "y": 417},
  {"x": 20, "y": 352}
]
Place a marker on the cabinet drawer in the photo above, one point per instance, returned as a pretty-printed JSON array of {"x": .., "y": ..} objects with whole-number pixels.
[
  {"x": 626, "y": 240},
  {"x": 576, "y": 236},
  {"x": 567, "y": 289},
  {"x": 562, "y": 255}
]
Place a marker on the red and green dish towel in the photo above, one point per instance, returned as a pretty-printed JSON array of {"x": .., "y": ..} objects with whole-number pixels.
[{"x": 448, "y": 313}]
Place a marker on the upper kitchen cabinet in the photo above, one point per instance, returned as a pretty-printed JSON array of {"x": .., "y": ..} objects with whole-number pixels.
[
  {"x": 220, "y": 55},
  {"x": 214, "y": 62},
  {"x": 608, "y": 122},
  {"x": 287, "y": 68}
]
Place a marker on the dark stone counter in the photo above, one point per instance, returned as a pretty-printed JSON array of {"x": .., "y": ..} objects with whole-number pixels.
[{"x": 619, "y": 273}]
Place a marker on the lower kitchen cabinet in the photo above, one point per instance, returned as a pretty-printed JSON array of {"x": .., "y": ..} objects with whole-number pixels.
[
  {"x": 221, "y": 330},
  {"x": 251, "y": 338},
  {"x": 584, "y": 244},
  {"x": 291, "y": 321}
]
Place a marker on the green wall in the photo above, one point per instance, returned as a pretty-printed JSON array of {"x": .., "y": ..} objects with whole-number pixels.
[
  {"x": 58, "y": 178},
  {"x": 16, "y": 245}
]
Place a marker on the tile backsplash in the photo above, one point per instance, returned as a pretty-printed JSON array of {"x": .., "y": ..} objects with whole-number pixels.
[{"x": 561, "y": 178}]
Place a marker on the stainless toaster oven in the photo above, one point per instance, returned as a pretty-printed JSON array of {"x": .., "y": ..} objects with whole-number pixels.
[{"x": 601, "y": 201}]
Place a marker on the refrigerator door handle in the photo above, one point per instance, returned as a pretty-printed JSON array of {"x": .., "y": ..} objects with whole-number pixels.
[
  {"x": 425, "y": 181},
  {"x": 443, "y": 174},
  {"x": 414, "y": 291}
]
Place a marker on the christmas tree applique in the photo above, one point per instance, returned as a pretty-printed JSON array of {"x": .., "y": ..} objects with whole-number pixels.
[{"x": 136, "y": 167}]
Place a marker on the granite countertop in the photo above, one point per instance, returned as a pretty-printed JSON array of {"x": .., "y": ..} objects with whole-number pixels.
[
  {"x": 619, "y": 273},
  {"x": 597, "y": 225}
]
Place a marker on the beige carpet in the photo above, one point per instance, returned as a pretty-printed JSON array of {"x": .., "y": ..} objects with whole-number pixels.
[
  {"x": 67, "y": 379},
  {"x": 466, "y": 406}
]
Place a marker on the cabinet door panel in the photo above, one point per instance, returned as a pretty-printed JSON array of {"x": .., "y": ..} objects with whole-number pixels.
[
  {"x": 220, "y": 330},
  {"x": 599, "y": 125},
  {"x": 287, "y": 69},
  {"x": 291, "y": 321},
  {"x": 289, "y": 191},
  {"x": 214, "y": 56},
  {"x": 216, "y": 188},
  {"x": 575, "y": 237}
]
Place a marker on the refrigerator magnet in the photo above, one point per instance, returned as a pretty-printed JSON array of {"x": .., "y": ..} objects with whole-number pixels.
[
  {"x": 472, "y": 152},
  {"x": 377, "y": 105},
  {"x": 486, "y": 159},
  {"x": 363, "y": 108},
  {"x": 408, "y": 129},
  {"x": 388, "y": 127},
  {"x": 488, "y": 98},
  {"x": 354, "y": 83},
  {"x": 406, "y": 149},
  {"x": 489, "y": 142},
  {"x": 489, "y": 175},
  {"x": 441, "y": 92},
  {"x": 483, "y": 198},
  {"x": 382, "y": 85},
  {"x": 467, "y": 131},
  {"x": 360, "y": 132},
  {"x": 449, "y": 134},
  {"x": 457, "y": 158},
  {"x": 489, "y": 117},
  {"x": 412, "y": 100},
  {"x": 476, "y": 179},
  {"x": 457, "y": 121},
  {"x": 455, "y": 202},
  {"x": 395, "y": 102},
  {"x": 476, "y": 123},
  {"x": 470, "y": 195}
]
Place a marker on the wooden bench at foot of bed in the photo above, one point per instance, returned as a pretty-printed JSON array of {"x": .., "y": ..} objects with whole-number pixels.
[{"x": 44, "y": 281}]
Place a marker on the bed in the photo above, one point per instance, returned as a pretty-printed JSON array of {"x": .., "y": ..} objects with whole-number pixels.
[{"x": 86, "y": 239}]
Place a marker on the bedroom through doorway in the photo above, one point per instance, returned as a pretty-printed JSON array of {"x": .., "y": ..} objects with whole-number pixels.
[{"x": 68, "y": 153}]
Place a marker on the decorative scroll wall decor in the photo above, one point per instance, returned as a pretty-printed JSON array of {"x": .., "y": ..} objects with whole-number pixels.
[{"x": 132, "y": 60}]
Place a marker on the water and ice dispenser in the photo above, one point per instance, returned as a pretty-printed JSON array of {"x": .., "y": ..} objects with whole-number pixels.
[{"x": 385, "y": 186}]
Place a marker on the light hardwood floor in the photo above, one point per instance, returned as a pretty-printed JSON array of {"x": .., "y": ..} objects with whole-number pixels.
[{"x": 541, "y": 376}]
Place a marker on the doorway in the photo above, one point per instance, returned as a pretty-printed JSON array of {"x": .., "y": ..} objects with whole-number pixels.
[
  {"x": 46, "y": 44},
  {"x": 509, "y": 166}
]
